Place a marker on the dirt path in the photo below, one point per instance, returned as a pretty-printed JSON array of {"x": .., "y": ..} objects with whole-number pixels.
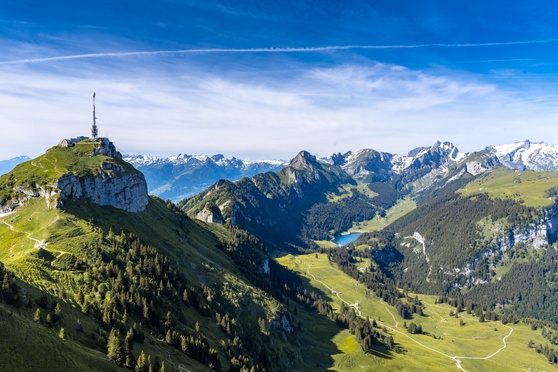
[
  {"x": 456, "y": 359},
  {"x": 357, "y": 310},
  {"x": 38, "y": 243},
  {"x": 389, "y": 312}
]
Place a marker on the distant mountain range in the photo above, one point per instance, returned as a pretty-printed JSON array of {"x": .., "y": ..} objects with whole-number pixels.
[
  {"x": 181, "y": 176},
  {"x": 472, "y": 216},
  {"x": 8, "y": 165},
  {"x": 379, "y": 166}
]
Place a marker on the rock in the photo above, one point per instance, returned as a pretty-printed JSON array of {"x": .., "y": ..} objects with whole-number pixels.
[
  {"x": 113, "y": 183},
  {"x": 210, "y": 215},
  {"x": 474, "y": 168},
  {"x": 106, "y": 148},
  {"x": 123, "y": 190}
]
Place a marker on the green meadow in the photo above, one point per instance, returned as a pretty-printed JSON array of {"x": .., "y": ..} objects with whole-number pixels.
[
  {"x": 445, "y": 344},
  {"x": 401, "y": 208},
  {"x": 528, "y": 187}
]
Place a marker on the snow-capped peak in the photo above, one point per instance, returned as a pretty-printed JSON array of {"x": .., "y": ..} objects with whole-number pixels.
[{"x": 527, "y": 155}]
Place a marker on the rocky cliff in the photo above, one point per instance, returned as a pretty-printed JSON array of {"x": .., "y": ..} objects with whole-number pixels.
[
  {"x": 82, "y": 169},
  {"x": 119, "y": 189}
]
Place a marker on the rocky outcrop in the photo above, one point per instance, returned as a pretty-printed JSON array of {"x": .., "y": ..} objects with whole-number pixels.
[
  {"x": 110, "y": 185},
  {"x": 106, "y": 148},
  {"x": 210, "y": 214},
  {"x": 474, "y": 168},
  {"x": 536, "y": 235},
  {"x": 108, "y": 182},
  {"x": 119, "y": 189}
]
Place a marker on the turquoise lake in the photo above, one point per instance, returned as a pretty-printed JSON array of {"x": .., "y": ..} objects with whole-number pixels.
[{"x": 342, "y": 240}]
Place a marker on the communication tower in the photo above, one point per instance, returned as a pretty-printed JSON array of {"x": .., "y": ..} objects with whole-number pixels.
[{"x": 94, "y": 130}]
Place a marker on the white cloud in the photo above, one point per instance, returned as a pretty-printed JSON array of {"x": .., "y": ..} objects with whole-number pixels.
[{"x": 326, "y": 110}]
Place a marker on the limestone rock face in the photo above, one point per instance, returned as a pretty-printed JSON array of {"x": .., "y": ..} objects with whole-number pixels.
[
  {"x": 208, "y": 216},
  {"x": 211, "y": 213},
  {"x": 119, "y": 189},
  {"x": 107, "y": 182},
  {"x": 110, "y": 185},
  {"x": 107, "y": 148}
]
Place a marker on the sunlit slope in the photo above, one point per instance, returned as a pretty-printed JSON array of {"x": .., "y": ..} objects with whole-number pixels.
[
  {"x": 195, "y": 288},
  {"x": 475, "y": 346},
  {"x": 531, "y": 188}
]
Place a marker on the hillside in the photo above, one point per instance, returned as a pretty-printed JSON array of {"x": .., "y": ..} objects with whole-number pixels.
[
  {"x": 93, "y": 287},
  {"x": 490, "y": 238},
  {"x": 280, "y": 208},
  {"x": 449, "y": 339}
]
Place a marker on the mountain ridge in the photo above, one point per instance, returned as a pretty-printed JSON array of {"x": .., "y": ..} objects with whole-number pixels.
[
  {"x": 180, "y": 176},
  {"x": 211, "y": 295},
  {"x": 126, "y": 289}
]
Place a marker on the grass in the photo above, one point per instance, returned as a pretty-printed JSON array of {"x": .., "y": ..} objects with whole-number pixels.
[
  {"x": 401, "y": 208},
  {"x": 420, "y": 352},
  {"x": 27, "y": 346},
  {"x": 528, "y": 187},
  {"x": 326, "y": 243},
  {"x": 190, "y": 245},
  {"x": 44, "y": 171}
]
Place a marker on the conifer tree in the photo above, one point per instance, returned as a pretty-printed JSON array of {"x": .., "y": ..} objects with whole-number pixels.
[
  {"x": 48, "y": 320},
  {"x": 149, "y": 364},
  {"x": 57, "y": 312},
  {"x": 38, "y": 317},
  {"x": 115, "y": 350},
  {"x": 128, "y": 347},
  {"x": 141, "y": 364}
]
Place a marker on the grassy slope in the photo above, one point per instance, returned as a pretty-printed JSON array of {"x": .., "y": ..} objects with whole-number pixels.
[
  {"x": 401, "y": 208},
  {"x": 527, "y": 186},
  {"x": 190, "y": 245},
  {"x": 27, "y": 346},
  {"x": 423, "y": 352}
]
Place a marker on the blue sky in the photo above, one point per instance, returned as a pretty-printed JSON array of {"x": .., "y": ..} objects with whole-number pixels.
[{"x": 262, "y": 79}]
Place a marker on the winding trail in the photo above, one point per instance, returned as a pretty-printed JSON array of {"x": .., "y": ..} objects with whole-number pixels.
[
  {"x": 332, "y": 290},
  {"x": 389, "y": 312},
  {"x": 456, "y": 359},
  {"x": 38, "y": 243}
]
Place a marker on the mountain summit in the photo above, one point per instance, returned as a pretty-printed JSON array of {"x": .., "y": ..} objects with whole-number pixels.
[
  {"x": 77, "y": 168},
  {"x": 525, "y": 155}
]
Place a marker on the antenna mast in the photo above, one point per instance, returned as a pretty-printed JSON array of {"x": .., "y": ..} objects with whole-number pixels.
[{"x": 94, "y": 131}]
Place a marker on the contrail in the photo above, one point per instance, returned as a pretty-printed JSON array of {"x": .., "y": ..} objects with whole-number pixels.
[{"x": 268, "y": 50}]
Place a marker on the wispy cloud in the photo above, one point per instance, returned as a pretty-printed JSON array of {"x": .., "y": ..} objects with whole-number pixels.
[
  {"x": 268, "y": 50},
  {"x": 323, "y": 110}
]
